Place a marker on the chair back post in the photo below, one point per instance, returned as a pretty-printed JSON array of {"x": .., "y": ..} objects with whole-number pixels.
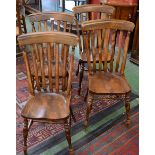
[
  {"x": 70, "y": 70},
  {"x": 30, "y": 85},
  {"x": 126, "y": 45},
  {"x": 85, "y": 36},
  {"x": 78, "y": 32}
]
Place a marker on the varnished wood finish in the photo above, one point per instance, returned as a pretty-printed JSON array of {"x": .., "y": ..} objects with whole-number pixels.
[
  {"x": 108, "y": 83},
  {"x": 67, "y": 126},
  {"x": 127, "y": 108},
  {"x": 48, "y": 37},
  {"x": 25, "y": 134},
  {"x": 109, "y": 79},
  {"x": 61, "y": 21},
  {"x": 49, "y": 101},
  {"x": 93, "y": 8},
  {"x": 48, "y": 106},
  {"x": 53, "y": 21},
  {"x": 85, "y": 13},
  {"x": 89, "y": 108},
  {"x": 108, "y": 24}
]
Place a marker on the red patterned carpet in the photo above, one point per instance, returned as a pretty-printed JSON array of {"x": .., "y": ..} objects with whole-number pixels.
[
  {"x": 118, "y": 140},
  {"x": 42, "y": 132},
  {"x": 104, "y": 140}
]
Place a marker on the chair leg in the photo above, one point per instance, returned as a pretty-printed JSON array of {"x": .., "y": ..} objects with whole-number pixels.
[
  {"x": 72, "y": 114},
  {"x": 81, "y": 77},
  {"x": 85, "y": 98},
  {"x": 127, "y": 108},
  {"x": 67, "y": 126},
  {"x": 30, "y": 124},
  {"x": 24, "y": 24},
  {"x": 77, "y": 71},
  {"x": 25, "y": 134},
  {"x": 88, "y": 110}
]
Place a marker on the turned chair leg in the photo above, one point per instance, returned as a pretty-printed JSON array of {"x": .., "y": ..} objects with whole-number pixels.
[
  {"x": 85, "y": 98},
  {"x": 127, "y": 108},
  {"x": 24, "y": 24},
  {"x": 25, "y": 134},
  {"x": 88, "y": 110},
  {"x": 77, "y": 71},
  {"x": 67, "y": 126},
  {"x": 72, "y": 114},
  {"x": 81, "y": 77}
]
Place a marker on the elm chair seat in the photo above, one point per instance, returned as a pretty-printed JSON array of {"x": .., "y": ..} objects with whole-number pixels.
[
  {"x": 48, "y": 106},
  {"x": 110, "y": 83}
]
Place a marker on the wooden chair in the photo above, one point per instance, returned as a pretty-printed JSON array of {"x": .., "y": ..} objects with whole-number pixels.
[
  {"x": 85, "y": 13},
  {"x": 107, "y": 79},
  {"x": 50, "y": 99}
]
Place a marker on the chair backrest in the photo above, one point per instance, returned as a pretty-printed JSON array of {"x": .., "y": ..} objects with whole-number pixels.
[
  {"x": 33, "y": 45},
  {"x": 107, "y": 31},
  {"x": 51, "y": 21},
  {"x": 91, "y": 12}
]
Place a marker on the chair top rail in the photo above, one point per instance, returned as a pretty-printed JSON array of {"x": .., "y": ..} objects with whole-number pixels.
[
  {"x": 109, "y": 24},
  {"x": 45, "y": 37},
  {"x": 36, "y": 17},
  {"x": 93, "y": 8}
]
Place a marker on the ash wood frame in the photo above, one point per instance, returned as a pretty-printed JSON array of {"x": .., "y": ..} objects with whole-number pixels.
[
  {"x": 29, "y": 115},
  {"x": 113, "y": 73}
]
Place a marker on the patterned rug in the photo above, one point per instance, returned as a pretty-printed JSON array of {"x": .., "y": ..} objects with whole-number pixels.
[
  {"x": 118, "y": 140},
  {"x": 43, "y": 136}
]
